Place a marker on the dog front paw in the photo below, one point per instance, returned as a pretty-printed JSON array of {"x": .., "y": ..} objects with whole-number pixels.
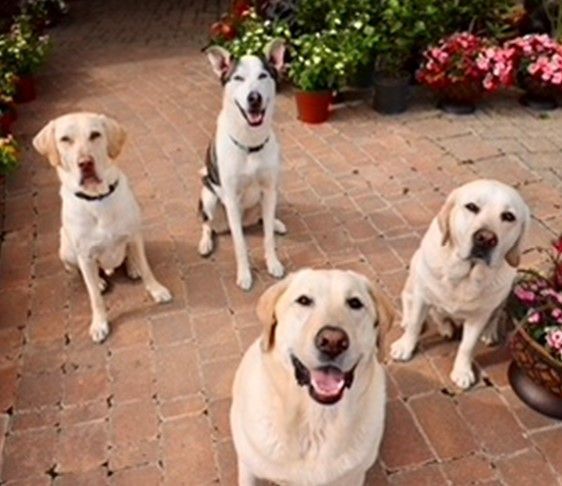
[
  {"x": 402, "y": 349},
  {"x": 159, "y": 293},
  {"x": 463, "y": 376},
  {"x": 279, "y": 227},
  {"x": 99, "y": 329},
  {"x": 244, "y": 279},
  {"x": 275, "y": 268}
]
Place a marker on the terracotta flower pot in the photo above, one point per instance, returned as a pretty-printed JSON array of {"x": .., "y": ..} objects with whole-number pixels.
[
  {"x": 535, "y": 376},
  {"x": 313, "y": 106},
  {"x": 25, "y": 89}
]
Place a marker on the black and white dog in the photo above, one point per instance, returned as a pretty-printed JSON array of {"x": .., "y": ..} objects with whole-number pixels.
[{"x": 243, "y": 160}]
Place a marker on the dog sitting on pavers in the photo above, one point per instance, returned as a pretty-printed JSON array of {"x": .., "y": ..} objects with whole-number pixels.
[
  {"x": 464, "y": 269},
  {"x": 308, "y": 400},
  {"x": 101, "y": 220},
  {"x": 243, "y": 160}
]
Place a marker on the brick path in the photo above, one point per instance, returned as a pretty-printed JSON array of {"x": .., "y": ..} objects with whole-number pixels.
[{"x": 150, "y": 405}]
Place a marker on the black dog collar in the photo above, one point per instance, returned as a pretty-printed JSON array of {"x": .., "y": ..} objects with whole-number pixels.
[
  {"x": 87, "y": 197},
  {"x": 249, "y": 150}
]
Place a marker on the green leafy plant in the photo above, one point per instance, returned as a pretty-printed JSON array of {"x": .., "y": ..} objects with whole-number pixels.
[
  {"x": 8, "y": 154},
  {"x": 249, "y": 35},
  {"x": 407, "y": 26},
  {"x": 318, "y": 63},
  {"x": 22, "y": 50}
]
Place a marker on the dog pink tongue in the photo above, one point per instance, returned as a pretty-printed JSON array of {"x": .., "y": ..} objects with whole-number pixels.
[{"x": 327, "y": 383}]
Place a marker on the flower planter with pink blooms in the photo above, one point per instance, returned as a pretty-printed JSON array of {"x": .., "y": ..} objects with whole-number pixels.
[
  {"x": 461, "y": 68},
  {"x": 537, "y": 62},
  {"x": 535, "y": 306}
]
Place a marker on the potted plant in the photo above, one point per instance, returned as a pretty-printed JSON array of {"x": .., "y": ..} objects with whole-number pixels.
[
  {"x": 7, "y": 110},
  {"x": 461, "y": 68},
  {"x": 8, "y": 155},
  {"x": 538, "y": 66},
  {"x": 535, "y": 306},
  {"x": 401, "y": 26},
  {"x": 24, "y": 52},
  {"x": 317, "y": 69}
]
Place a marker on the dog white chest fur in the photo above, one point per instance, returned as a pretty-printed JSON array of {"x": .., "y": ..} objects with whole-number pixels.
[
  {"x": 309, "y": 397},
  {"x": 101, "y": 221},
  {"x": 243, "y": 160},
  {"x": 464, "y": 269}
]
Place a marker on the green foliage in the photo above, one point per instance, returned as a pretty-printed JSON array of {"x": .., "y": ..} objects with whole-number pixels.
[
  {"x": 253, "y": 34},
  {"x": 318, "y": 63},
  {"x": 21, "y": 50},
  {"x": 340, "y": 36},
  {"x": 8, "y": 155}
]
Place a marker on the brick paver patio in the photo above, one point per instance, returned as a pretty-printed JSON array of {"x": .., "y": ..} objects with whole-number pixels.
[{"x": 150, "y": 405}]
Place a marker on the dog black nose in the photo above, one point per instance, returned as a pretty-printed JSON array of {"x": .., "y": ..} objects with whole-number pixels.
[
  {"x": 254, "y": 100},
  {"x": 485, "y": 239},
  {"x": 331, "y": 341},
  {"x": 86, "y": 164}
]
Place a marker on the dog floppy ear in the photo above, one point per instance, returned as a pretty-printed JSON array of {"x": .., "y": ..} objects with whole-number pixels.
[
  {"x": 221, "y": 61},
  {"x": 116, "y": 136},
  {"x": 266, "y": 311},
  {"x": 275, "y": 54},
  {"x": 44, "y": 143},
  {"x": 443, "y": 218},
  {"x": 513, "y": 256}
]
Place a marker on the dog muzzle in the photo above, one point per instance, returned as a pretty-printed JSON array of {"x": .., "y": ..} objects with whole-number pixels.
[{"x": 326, "y": 384}]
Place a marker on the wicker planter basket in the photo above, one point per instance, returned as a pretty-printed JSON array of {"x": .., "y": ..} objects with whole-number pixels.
[{"x": 538, "y": 365}]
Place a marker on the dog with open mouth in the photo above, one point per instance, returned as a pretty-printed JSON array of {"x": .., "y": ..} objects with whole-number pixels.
[
  {"x": 243, "y": 161},
  {"x": 309, "y": 396},
  {"x": 464, "y": 269},
  {"x": 101, "y": 220}
]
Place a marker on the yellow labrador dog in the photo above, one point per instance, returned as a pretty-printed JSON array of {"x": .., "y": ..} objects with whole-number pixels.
[
  {"x": 464, "y": 269},
  {"x": 101, "y": 221},
  {"x": 309, "y": 395}
]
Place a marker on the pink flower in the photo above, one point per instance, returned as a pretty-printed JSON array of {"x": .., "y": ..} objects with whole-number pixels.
[
  {"x": 534, "y": 318},
  {"x": 554, "y": 339},
  {"x": 525, "y": 295}
]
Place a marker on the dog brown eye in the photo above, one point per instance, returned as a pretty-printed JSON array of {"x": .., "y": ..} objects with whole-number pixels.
[
  {"x": 262, "y": 76},
  {"x": 354, "y": 303},
  {"x": 95, "y": 135},
  {"x": 508, "y": 216},
  {"x": 238, "y": 78},
  {"x": 65, "y": 139},
  {"x": 473, "y": 208},
  {"x": 304, "y": 301}
]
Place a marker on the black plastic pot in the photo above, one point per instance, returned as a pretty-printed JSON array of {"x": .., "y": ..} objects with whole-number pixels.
[{"x": 391, "y": 93}]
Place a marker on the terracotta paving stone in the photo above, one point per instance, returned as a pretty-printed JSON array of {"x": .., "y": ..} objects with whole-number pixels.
[
  {"x": 549, "y": 443},
  {"x": 483, "y": 407},
  {"x": 468, "y": 470},
  {"x": 430, "y": 475},
  {"x": 405, "y": 446},
  {"x": 525, "y": 468},
  {"x": 150, "y": 406},
  {"x": 92, "y": 441},
  {"x": 28, "y": 453},
  {"x": 442, "y": 424}
]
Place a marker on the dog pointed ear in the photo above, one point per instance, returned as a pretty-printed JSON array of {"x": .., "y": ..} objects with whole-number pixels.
[
  {"x": 443, "y": 218},
  {"x": 44, "y": 143},
  {"x": 266, "y": 311},
  {"x": 275, "y": 54},
  {"x": 513, "y": 256},
  {"x": 221, "y": 61},
  {"x": 116, "y": 136}
]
